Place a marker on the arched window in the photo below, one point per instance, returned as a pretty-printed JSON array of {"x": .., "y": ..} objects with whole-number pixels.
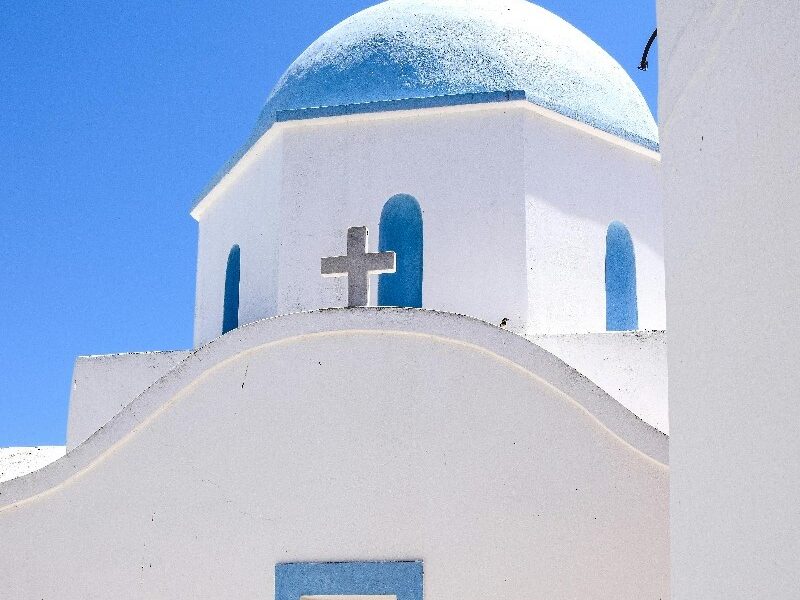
[
  {"x": 622, "y": 313},
  {"x": 401, "y": 231},
  {"x": 230, "y": 308}
]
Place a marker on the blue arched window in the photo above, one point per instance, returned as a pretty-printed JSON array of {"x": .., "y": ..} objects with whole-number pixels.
[
  {"x": 622, "y": 313},
  {"x": 401, "y": 231},
  {"x": 230, "y": 308}
]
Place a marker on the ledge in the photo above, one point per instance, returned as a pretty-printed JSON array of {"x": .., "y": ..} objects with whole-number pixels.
[{"x": 451, "y": 328}]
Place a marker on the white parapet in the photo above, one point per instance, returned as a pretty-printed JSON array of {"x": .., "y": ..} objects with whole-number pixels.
[
  {"x": 104, "y": 385},
  {"x": 631, "y": 366},
  {"x": 21, "y": 460},
  {"x": 360, "y": 434}
]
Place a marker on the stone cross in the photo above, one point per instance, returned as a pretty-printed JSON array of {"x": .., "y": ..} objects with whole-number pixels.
[{"x": 358, "y": 265}]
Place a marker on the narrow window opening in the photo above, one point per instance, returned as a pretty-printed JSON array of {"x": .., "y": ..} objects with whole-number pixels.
[
  {"x": 622, "y": 313},
  {"x": 230, "y": 311},
  {"x": 401, "y": 232}
]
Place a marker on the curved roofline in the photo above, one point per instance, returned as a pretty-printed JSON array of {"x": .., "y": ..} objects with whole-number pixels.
[
  {"x": 453, "y": 328},
  {"x": 626, "y": 139}
]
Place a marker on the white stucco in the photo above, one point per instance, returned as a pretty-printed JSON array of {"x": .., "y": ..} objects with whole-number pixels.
[
  {"x": 21, "y": 460},
  {"x": 103, "y": 385},
  {"x": 729, "y": 124},
  {"x": 247, "y": 213},
  {"x": 499, "y": 435},
  {"x": 479, "y": 453},
  {"x": 630, "y": 366},
  {"x": 575, "y": 186},
  {"x": 515, "y": 200}
]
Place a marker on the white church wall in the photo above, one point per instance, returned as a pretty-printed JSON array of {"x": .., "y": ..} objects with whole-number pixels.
[
  {"x": 243, "y": 210},
  {"x": 104, "y": 385},
  {"x": 462, "y": 164},
  {"x": 729, "y": 129},
  {"x": 630, "y": 366},
  {"x": 577, "y": 182},
  {"x": 532, "y": 258},
  {"x": 352, "y": 435},
  {"x": 21, "y": 460}
]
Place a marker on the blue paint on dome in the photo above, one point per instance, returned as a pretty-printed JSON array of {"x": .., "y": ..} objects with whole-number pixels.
[{"x": 402, "y": 50}]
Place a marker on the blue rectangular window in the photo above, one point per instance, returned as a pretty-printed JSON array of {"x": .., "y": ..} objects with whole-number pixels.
[{"x": 401, "y": 579}]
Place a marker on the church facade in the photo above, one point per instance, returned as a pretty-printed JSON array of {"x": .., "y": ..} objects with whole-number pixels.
[{"x": 429, "y": 351}]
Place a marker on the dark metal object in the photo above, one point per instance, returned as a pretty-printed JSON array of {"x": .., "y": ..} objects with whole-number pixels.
[{"x": 644, "y": 64}]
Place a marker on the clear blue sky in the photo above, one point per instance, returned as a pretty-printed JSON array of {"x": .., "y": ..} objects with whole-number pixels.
[{"x": 113, "y": 116}]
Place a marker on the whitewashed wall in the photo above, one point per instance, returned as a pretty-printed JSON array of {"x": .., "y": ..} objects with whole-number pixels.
[
  {"x": 103, "y": 385},
  {"x": 515, "y": 204},
  {"x": 21, "y": 460},
  {"x": 463, "y": 166},
  {"x": 247, "y": 213},
  {"x": 576, "y": 184},
  {"x": 631, "y": 366},
  {"x": 506, "y": 472},
  {"x": 729, "y": 128}
]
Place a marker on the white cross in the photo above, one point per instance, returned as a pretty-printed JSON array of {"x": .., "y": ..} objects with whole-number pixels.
[{"x": 358, "y": 265}]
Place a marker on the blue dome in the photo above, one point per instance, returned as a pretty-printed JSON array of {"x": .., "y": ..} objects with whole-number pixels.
[
  {"x": 416, "y": 49},
  {"x": 416, "y": 53}
]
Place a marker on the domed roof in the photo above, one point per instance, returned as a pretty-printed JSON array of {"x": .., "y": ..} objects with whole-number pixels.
[{"x": 406, "y": 49}]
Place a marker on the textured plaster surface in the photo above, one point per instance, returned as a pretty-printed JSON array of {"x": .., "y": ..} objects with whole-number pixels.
[
  {"x": 514, "y": 203},
  {"x": 352, "y": 435},
  {"x": 575, "y": 186},
  {"x": 443, "y": 50},
  {"x": 459, "y": 163},
  {"x": 246, "y": 213},
  {"x": 730, "y": 122},
  {"x": 15, "y": 462},
  {"x": 631, "y": 366},
  {"x": 104, "y": 385},
  {"x": 421, "y": 48}
]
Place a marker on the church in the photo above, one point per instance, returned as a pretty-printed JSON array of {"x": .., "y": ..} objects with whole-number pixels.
[{"x": 430, "y": 353}]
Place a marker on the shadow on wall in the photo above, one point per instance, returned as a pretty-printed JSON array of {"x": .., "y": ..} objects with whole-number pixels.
[
  {"x": 401, "y": 232},
  {"x": 622, "y": 313}
]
